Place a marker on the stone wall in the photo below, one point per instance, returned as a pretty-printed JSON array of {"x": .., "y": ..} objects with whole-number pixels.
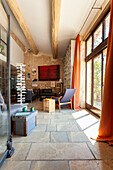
[
  {"x": 68, "y": 65},
  {"x": 33, "y": 61},
  {"x": 67, "y": 68}
]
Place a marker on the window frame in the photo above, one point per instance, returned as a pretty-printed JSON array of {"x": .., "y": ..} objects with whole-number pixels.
[{"x": 96, "y": 52}]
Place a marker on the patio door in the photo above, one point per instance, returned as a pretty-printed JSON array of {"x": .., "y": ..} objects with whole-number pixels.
[
  {"x": 95, "y": 82},
  {"x": 6, "y": 149}
]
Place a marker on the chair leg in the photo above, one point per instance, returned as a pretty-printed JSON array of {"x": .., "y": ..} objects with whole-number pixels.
[
  {"x": 59, "y": 108},
  {"x": 59, "y": 105},
  {"x": 71, "y": 105}
]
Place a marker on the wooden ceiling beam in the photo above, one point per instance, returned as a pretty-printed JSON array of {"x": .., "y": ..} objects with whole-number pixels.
[
  {"x": 20, "y": 44},
  {"x": 18, "y": 15},
  {"x": 55, "y": 20}
]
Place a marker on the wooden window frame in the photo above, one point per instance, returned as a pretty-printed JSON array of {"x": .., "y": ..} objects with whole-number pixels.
[{"x": 95, "y": 52}]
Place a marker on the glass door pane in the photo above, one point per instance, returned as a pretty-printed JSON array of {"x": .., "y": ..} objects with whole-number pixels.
[
  {"x": 104, "y": 63},
  {"x": 98, "y": 36},
  {"x": 89, "y": 45},
  {"x": 97, "y": 82},
  {"x": 89, "y": 81},
  {"x": 107, "y": 21},
  {"x": 3, "y": 107}
]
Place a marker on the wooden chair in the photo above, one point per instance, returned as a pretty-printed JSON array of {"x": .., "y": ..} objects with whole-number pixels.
[{"x": 66, "y": 99}]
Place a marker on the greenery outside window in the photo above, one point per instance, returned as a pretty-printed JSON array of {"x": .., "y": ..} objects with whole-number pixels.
[
  {"x": 89, "y": 45},
  {"x": 89, "y": 82},
  {"x": 97, "y": 81},
  {"x": 97, "y": 36},
  {"x": 106, "y": 31}
]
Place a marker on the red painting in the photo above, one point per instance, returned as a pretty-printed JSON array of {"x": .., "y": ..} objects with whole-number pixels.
[{"x": 48, "y": 73}]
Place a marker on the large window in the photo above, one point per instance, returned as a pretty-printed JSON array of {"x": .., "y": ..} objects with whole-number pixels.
[
  {"x": 98, "y": 36},
  {"x": 104, "y": 63},
  {"x": 97, "y": 81},
  {"x": 106, "y": 31},
  {"x": 89, "y": 45},
  {"x": 89, "y": 82},
  {"x": 96, "y": 54}
]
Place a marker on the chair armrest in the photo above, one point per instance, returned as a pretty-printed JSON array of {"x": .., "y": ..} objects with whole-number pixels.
[{"x": 56, "y": 97}]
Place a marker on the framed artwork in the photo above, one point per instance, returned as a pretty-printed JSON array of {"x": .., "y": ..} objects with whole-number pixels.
[
  {"x": 33, "y": 71},
  {"x": 49, "y": 73},
  {"x": 34, "y": 82},
  {"x": 28, "y": 76}
]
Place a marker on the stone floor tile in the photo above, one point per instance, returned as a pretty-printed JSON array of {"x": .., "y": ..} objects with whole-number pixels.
[
  {"x": 61, "y": 116},
  {"x": 21, "y": 151},
  {"x": 91, "y": 129},
  {"x": 77, "y": 137},
  {"x": 91, "y": 165},
  {"x": 57, "y": 151},
  {"x": 40, "y": 116},
  {"x": 40, "y": 128},
  {"x": 51, "y": 128},
  {"x": 44, "y": 116},
  {"x": 16, "y": 165},
  {"x": 101, "y": 150},
  {"x": 59, "y": 137},
  {"x": 59, "y": 121},
  {"x": 80, "y": 114},
  {"x": 43, "y": 121},
  {"x": 68, "y": 127},
  {"x": 86, "y": 121},
  {"x": 49, "y": 165},
  {"x": 33, "y": 137},
  {"x": 44, "y": 113}
]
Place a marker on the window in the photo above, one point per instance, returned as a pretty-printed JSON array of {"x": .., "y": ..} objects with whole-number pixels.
[
  {"x": 106, "y": 29},
  {"x": 97, "y": 82},
  {"x": 96, "y": 64},
  {"x": 98, "y": 36},
  {"x": 104, "y": 63},
  {"x": 89, "y": 82},
  {"x": 89, "y": 45}
]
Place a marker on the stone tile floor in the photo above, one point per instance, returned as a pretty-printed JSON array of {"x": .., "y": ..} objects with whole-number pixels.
[{"x": 61, "y": 141}]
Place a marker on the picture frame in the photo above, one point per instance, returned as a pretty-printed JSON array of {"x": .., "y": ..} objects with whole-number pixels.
[{"x": 33, "y": 71}]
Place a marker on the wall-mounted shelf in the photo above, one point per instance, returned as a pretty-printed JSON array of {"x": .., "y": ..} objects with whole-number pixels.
[{"x": 21, "y": 88}]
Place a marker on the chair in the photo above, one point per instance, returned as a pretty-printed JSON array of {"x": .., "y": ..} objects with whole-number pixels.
[{"x": 66, "y": 99}]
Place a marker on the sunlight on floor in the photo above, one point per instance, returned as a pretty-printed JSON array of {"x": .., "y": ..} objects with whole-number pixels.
[
  {"x": 88, "y": 123},
  {"x": 92, "y": 132},
  {"x": 79, "y": 114}
]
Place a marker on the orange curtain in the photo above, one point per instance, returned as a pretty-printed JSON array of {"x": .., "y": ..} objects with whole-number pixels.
[
  {"x": 76, "y": 74},
  {"x": 106, "y": 120}
]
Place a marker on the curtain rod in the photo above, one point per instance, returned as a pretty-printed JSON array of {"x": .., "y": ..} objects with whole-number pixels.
[{"x": 89, "y": 15}]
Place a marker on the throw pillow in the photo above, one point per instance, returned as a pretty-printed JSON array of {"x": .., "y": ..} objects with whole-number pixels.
[
  {"x": 2, "y": 102},
  {"x": 1, "y": 98}
]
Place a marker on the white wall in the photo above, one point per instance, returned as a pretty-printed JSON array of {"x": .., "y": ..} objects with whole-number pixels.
[
  {"x": 3, "y": 17},
  {"x": 17, "y": 55}
]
